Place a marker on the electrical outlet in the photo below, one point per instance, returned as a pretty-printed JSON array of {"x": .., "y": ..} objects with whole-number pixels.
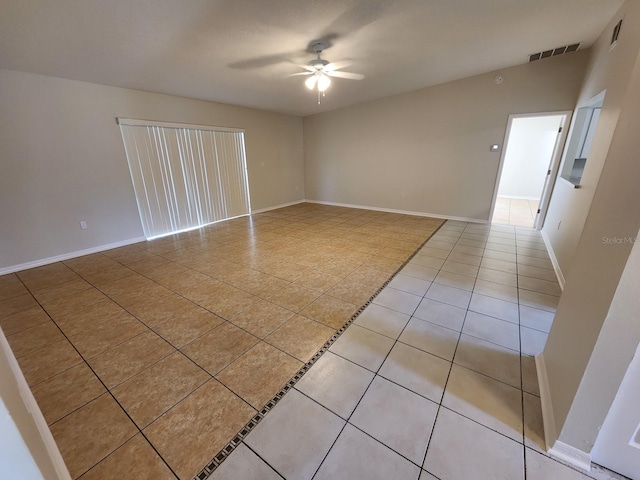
[{"x": 83, "y": 225}]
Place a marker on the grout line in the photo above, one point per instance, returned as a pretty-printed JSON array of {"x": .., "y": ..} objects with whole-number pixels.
[
  {"x": 107, "y": 392},
  {"x": 226, "y": 451}
]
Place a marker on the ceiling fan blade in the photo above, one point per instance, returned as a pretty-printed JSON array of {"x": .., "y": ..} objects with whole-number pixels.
[
  {"x": 338, "y": 65},
  {"x": 300, "y": 73},
  {"x": 348, "y": 75}
]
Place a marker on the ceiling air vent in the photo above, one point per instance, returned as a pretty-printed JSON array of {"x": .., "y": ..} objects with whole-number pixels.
[{"x": 554, "y": 52}]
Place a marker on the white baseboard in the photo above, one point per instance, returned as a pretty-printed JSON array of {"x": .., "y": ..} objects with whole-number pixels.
[
  {"x": 403, "y": 212},
  {"x": 67, "y": 256},
  {"x": 556, "y": 448},
  {"x": 554, "y": 259},
  {"x": 548, "y": 419},
  {"x": 571, "y": 455},
  {"x": 275, "y": 207}
]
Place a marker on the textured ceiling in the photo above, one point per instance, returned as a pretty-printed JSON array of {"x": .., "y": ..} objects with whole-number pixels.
[{"x": 242, "y": 51}]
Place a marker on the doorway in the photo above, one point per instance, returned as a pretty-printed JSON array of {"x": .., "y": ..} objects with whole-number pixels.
[{"x": 530, "y": 159}]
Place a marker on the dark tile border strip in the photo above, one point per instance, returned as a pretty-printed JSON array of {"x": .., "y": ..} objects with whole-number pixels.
[{"x": 222, "y": 455}]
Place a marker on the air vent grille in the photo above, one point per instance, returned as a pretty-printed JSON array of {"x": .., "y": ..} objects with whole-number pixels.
[{"x": 554, "y": 52}]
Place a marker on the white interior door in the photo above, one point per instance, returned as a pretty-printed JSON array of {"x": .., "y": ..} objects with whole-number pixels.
[
  {"x": 618, "y": 444},
  {"x": 552, "y": 173}
]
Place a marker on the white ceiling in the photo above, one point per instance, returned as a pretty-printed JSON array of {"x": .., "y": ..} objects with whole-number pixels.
[{"x": 242, "y": 51}]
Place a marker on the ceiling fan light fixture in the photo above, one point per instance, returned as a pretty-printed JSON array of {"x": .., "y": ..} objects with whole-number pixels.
[
  {"x": 323, "y": 82},
  {"x": 311, "y": 82}
]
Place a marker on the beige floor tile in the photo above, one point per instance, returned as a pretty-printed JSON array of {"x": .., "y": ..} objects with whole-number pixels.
[
  {"x": 352, "y": 292},
  {"x": 294, "y": 297},
  {"x": 449, "y": 295},
  {"x": 89, "y": 316},
  {"x": 11, "y": 286},
  {"x": 155, "y": 390},
  {"x": 441, "y": 314},
  {"x": 538, "y": 300},
  {"x": 262, "y": 318},
  {"x": 397, "y": 417},
  {"x": 335, "y": 383},
  {"x": 494, "y": 307},
  {"x": 430, "y": 338},
  {"x": 496, "y": 290},
  {"x": 67, "y": 391},
  {"x": 418, "y": 371},
  {"x": 61, "y": 290},
  {"x": 330, "y": 311},
  {"x": 101, "y": 277},
  {"x": 300, "y": 337},
  {"x": 494, "y": 330},
  {"x": 427, "y": 261},
  {"x": 489, "y": 359},
  {"x": 541, "y": 286},
  {"x": 65, "y": 306},
  {"x": 487, "y": 401},
  {"x": 259, "y": 374},
  {"x": 262, "y": 285},
  {"x": 364, "y": 347},
  {"x": 12, "y": 305},
  {"x": 190, "y": 434},
  {"x": 316, "y": 280},
  {"x": 156, "y": 309},
  {"x": 32, "y": 339},
  {"x": 357, "y": 455},
  {"x": 116, "y": 365},
  {"x": 48, "y": 361},
  {"x": 39, "y": 278},
  {"x": 305, "y": 432},
  {"x": 370, "y": 276},
  {"x": 398, "y": 300},
  {"x": 532, "y": 341},
  {"x": 533, "y": 425},
  {"x": 529, "y": 375},
  {"x": 243, "y": 464},
  {"x": 410, "y": 284},
  {"x": 228, "y": 301},
  {"x": 479, "y": 452},
  {"x": 215, "y": 350},
  {"x": 188, "y": 326},
  {"x": 105, "y": 335},
  {"x": 134, "y": 460},
  {"x": 89, "y": 434},
  {"x": 382, "y": 320},
  {"x": 19, "y": 321}
]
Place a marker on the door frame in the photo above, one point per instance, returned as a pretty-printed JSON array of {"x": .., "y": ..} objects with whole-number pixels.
[{"x": 554, "y": 164}]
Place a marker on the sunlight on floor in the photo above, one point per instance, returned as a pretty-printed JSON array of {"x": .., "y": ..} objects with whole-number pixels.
[{"x": 514, "y": 211}]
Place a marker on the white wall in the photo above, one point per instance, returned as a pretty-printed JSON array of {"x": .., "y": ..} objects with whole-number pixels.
[
  {"x": 428, "y": 151},
  {"x": 63, "y": 161},
  {"x": 584, "y": 366},
  {"x": 622, "y": 329},
  {"x": 527, "y": 156}
]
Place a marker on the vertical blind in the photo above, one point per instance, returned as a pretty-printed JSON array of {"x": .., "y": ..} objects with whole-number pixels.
[{"x": 185, "y": 176}]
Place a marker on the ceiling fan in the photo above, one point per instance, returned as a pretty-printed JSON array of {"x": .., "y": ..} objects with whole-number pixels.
[{"x": 320, "y": 71}]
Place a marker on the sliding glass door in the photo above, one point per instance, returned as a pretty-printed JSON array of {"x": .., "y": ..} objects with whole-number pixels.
[{"x": 185, "y": 176}]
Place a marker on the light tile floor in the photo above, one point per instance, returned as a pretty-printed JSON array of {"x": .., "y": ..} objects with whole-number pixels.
[
  {"x": 146, "y": 360},
  {"x": 434, "y": 380},
  {"x": 516, "y": 212}
]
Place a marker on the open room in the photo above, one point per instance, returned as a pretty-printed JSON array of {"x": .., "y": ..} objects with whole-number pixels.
[{"x": 319, "y": 240}]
